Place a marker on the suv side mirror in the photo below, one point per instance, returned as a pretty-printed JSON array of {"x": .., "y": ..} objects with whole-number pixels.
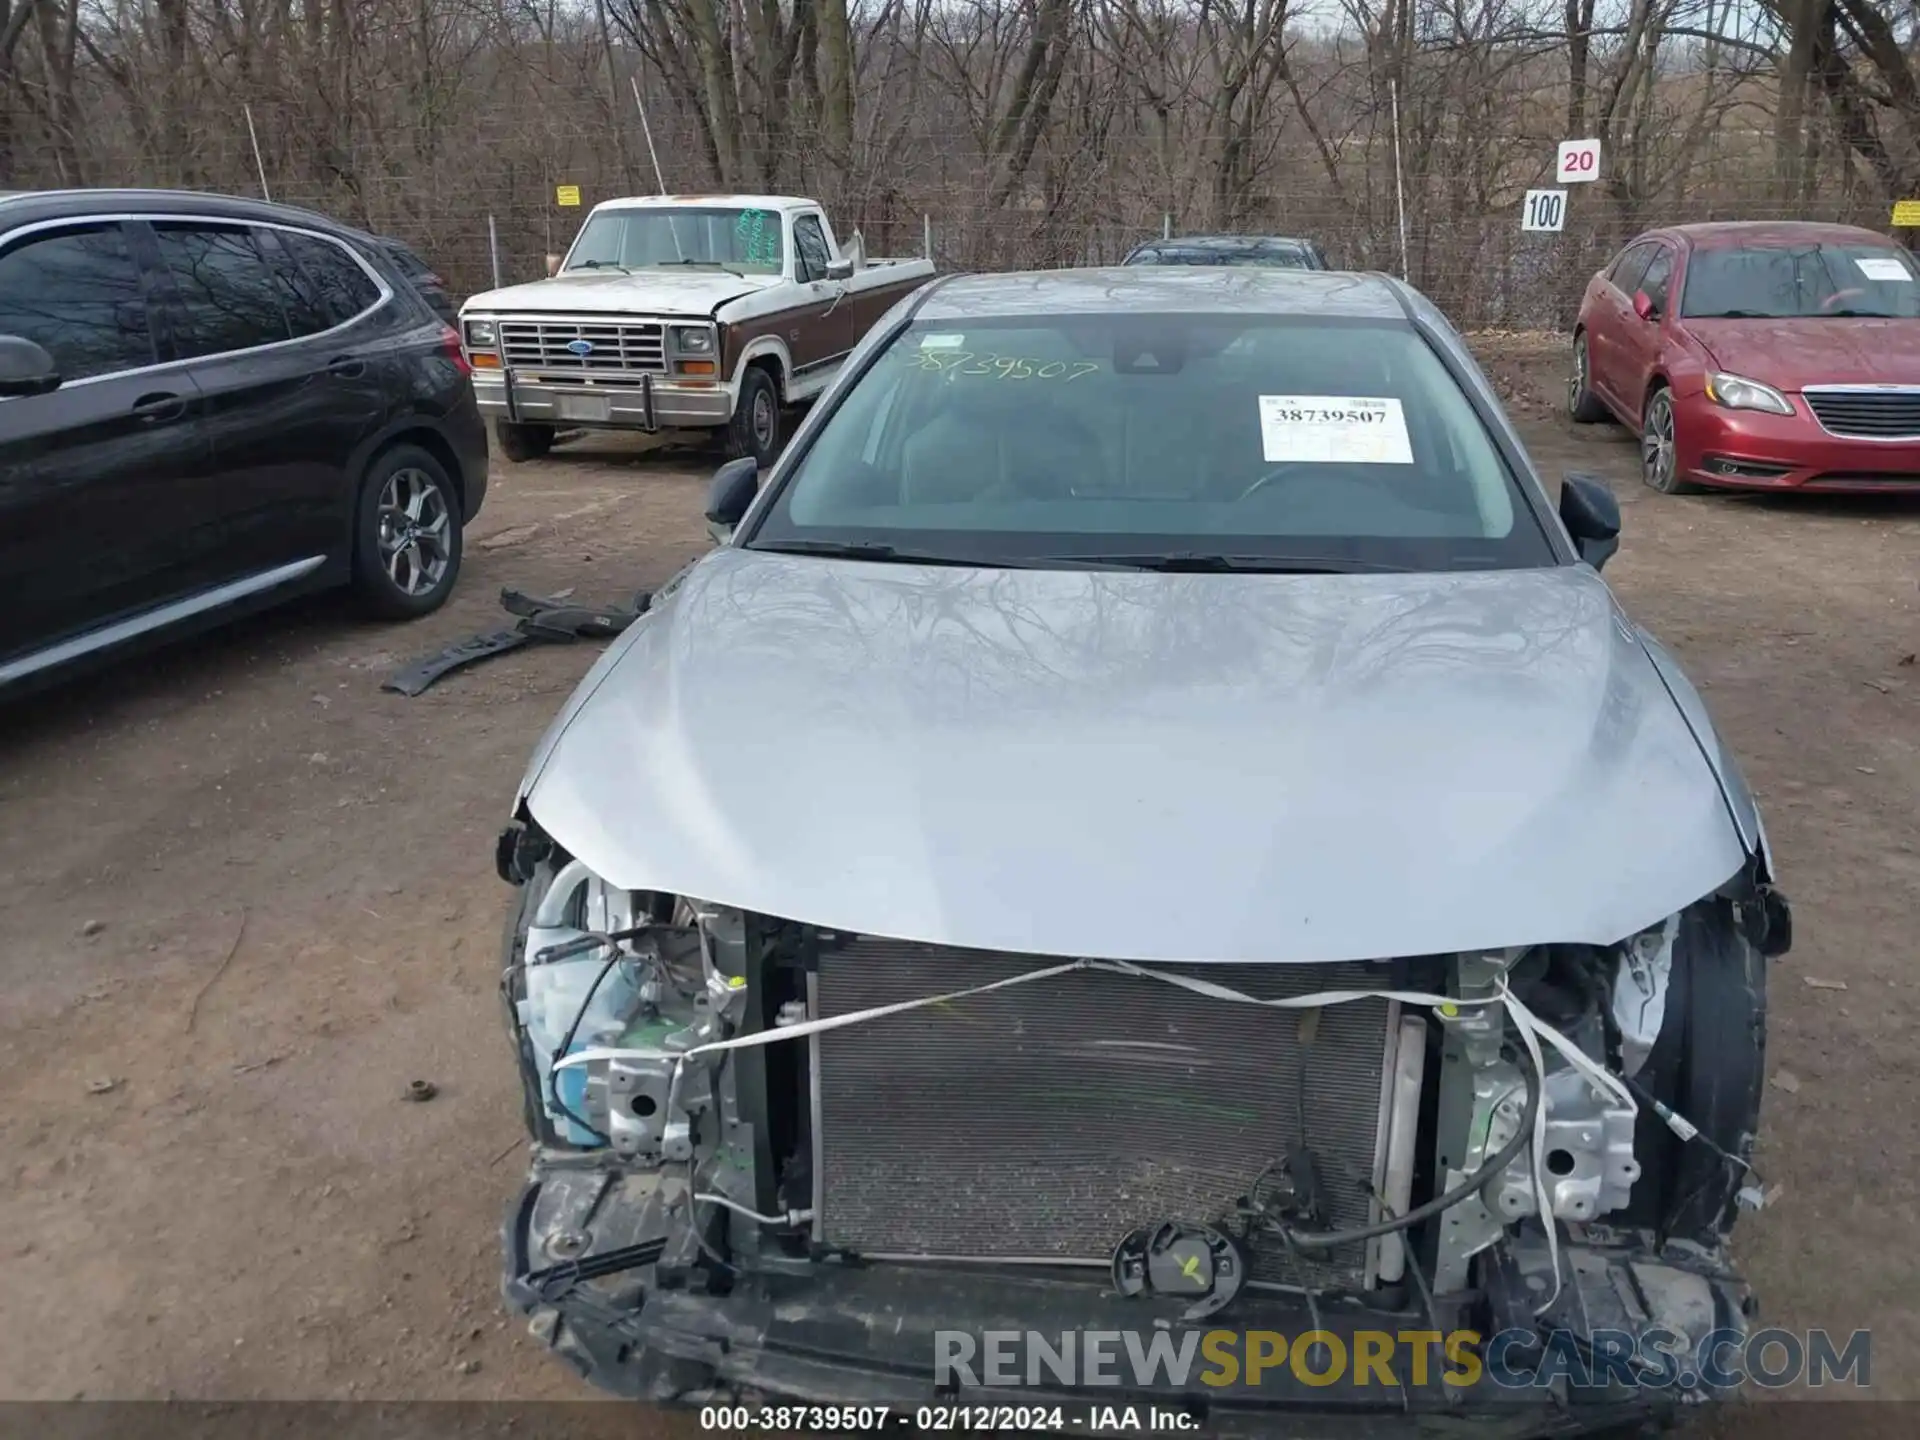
[
  {"x": 26, "y": 368},
  {"x": 1643, "y": 305},
  {"x": 841, "y": 269},
  {"x": 1592, "y": 517},
  {"x": 729, "y": 494}
]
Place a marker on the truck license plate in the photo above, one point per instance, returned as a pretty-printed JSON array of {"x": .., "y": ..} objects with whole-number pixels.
[{"x": 584, "y": 407}]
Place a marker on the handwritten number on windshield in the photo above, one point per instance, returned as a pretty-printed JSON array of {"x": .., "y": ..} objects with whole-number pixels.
[
  {"x": 1000, "y": 367},
  {"x": 762, "y": 245}
]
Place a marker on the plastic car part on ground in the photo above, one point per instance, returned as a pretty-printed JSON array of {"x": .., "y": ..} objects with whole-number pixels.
[{"x": 544, "y": 620}]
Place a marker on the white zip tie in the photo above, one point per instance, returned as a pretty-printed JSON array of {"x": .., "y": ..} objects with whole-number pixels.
[{"x": 1531, "y": 1027}]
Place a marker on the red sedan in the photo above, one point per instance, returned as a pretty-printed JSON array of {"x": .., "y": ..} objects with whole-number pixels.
[{"x": 1757, "y": 356}]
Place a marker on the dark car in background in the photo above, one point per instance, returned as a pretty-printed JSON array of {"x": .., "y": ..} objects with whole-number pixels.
[
  {"x": 1757, "y": 356},
  {"x": 1262, "y": 251},
  {"x": 209, "y": 405}
]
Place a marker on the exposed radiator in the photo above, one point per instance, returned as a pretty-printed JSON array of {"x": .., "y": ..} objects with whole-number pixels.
[{"x": 1046, "y": 1121}]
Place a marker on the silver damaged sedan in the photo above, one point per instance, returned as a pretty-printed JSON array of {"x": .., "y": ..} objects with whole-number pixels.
[{"x": 1147, "y": 847}]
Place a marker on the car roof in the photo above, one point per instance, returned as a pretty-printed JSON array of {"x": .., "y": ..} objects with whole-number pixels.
[
  {"x": 1168, "y": 290},
  {"x": 1724, "y": 234},
  {"x": 730, "y": 202},
  {"x": 28, "y": 206}
]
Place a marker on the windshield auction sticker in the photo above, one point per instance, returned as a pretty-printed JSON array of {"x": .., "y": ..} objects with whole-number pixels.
[
  {"x": 1333, "y": 430},
  {"x": 1883, "y": 267}
]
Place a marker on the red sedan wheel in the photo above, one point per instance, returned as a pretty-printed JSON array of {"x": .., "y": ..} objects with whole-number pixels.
[{"x": 1659, "y": 452}]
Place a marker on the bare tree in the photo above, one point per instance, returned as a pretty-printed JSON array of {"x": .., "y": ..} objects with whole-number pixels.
[{"x": 1033, "y": 132}]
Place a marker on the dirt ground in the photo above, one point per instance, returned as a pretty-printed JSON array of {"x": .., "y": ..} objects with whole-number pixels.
[{"x": 249, "y": 897}]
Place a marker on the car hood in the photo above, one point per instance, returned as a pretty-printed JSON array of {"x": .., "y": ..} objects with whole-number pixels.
[
  {"x": 655, "y": 291},
  {"x": 1789, "y": 354},
  {"x": 1141, "y": 766}
]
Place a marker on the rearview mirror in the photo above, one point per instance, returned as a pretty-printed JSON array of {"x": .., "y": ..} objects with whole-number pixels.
[
  {"x": 729, "y": 494},
  {"x": 1592, "y": 517},
  {"x": 839, "y": 269},
  {"x": 1642, "y": 305},
  {"x": 26, "y": 368}
]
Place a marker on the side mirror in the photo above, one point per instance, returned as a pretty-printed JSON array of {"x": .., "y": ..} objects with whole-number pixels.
[
  {"x": 729, "y": 494},
  {"x": 840, "y": 269},
  {"x": 1642, "y": 305},
  {"x": 26, "y": 368},
  {"x": 553, "y": 266},
  {"x": 1592, "y": 517}
]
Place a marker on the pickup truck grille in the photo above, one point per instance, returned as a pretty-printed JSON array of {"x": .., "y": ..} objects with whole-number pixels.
[
  {"x": 1870, "y": 414},
  {"x": 584, "y": 345}
]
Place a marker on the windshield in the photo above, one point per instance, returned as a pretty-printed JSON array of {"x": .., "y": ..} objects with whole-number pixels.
[
  {"x": 1269, "y": 258},
  {"x": 1787, "y": 282},
  {"x": 1341, "y": 444},
  {"x": 746, "y": 242}
]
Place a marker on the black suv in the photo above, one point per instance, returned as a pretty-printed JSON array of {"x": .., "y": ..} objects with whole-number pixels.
[
  {"x": 209, "y": 405},
  {"x": 425, "y": 278}
]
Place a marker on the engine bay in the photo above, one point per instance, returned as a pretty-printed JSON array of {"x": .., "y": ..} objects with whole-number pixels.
[{"x": 758, "y": 1098}]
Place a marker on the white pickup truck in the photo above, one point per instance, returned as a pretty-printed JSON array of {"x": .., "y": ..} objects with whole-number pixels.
[{"x": 675, "y": 312}]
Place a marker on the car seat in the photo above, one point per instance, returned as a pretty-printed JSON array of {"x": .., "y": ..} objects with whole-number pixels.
[{"x": 989, "y": 440}]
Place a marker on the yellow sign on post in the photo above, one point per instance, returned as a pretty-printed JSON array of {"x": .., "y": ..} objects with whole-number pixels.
[
  {"x": 1906, "y": 214},
  {"x": 566, "y": 195}
]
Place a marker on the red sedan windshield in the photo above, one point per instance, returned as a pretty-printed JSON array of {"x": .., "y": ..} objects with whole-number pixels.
[{"x": 1789, "y": 282}]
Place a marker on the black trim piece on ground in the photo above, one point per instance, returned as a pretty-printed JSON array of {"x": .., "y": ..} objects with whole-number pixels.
[{"x": 542, "y": 621}]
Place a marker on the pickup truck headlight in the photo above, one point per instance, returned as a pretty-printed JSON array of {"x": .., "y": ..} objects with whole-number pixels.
[
  {"x": 693, "y": 340},
  {"x": 1736, "y": 392},
  {"x": 481, "y": 335}
]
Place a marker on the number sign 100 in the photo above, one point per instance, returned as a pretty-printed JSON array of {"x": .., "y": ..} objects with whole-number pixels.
[{"x": 1545, "y": 210}]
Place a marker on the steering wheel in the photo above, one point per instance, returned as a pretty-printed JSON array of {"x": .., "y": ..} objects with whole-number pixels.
[
  {"x": 1839, "y": 295},
  {"x": 1295, "y": 470}
]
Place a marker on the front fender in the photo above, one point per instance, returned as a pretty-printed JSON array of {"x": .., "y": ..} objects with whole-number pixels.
[
  {"x": 1733, "y": 785},
  {"x": 758, "y": 350}
]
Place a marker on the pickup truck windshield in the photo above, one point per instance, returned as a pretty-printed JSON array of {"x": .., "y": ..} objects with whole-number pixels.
[
  {"x": 1158, "y": 441},
  {"x": 747, "y": 242},
  {"x": 1782, "y": 282}
]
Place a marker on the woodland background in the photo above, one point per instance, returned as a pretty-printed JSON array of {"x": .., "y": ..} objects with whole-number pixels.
[{"x": 1032, "y": 132}]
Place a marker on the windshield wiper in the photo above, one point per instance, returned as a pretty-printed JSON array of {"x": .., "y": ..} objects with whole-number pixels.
[
  {"x": 1193, "y": 562},
  {"x": 1734, "y": 315},
  {"x": 876, "y": 550},
  {"x": 716, "y": 264},
  {"x": 601, "y": 265}
]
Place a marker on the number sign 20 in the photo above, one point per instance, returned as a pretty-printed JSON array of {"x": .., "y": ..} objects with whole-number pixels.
[{"x": 1578, "y": 162}]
